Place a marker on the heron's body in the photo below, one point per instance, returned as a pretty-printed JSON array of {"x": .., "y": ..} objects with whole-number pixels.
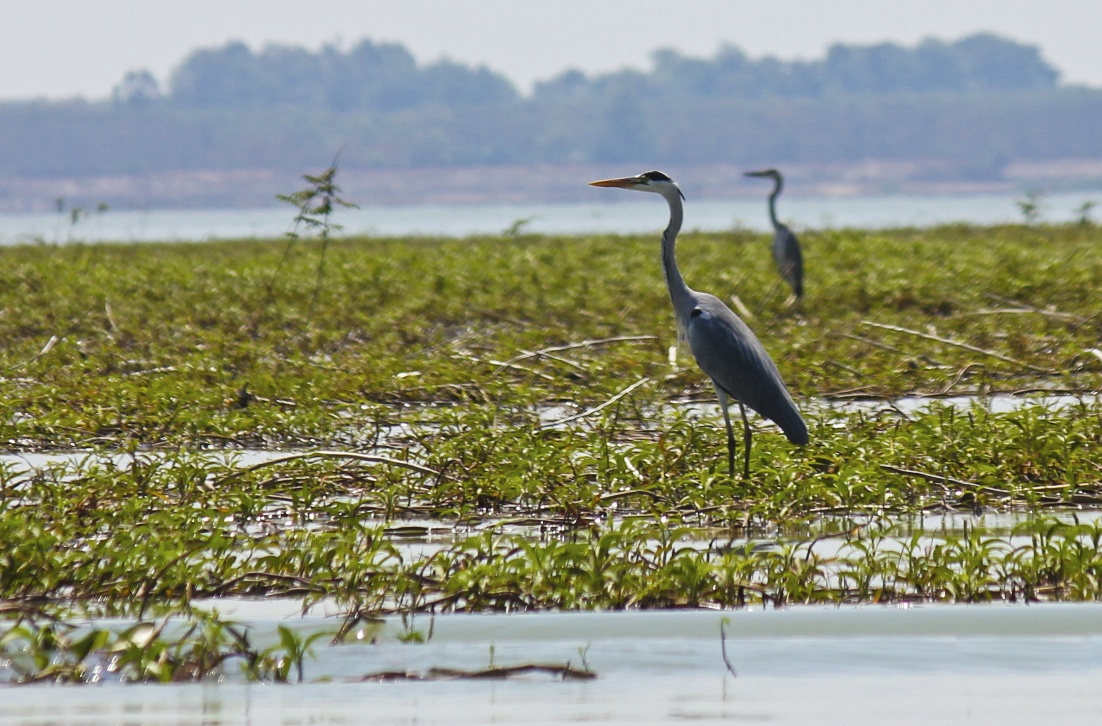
[
  {"x": 786, "y": 248},
  {"x": 732, "y": 356},
  {"x": 723, "y": 345},
  {"x": 790, "y": 263}
]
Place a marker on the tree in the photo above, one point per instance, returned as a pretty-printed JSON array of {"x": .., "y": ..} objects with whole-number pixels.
[
  {"x": 377, "y": 77},
  {"x": 137, "y": 89}
]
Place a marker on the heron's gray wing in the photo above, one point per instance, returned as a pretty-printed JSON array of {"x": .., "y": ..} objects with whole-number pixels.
[
  {"x": 790, "y": 262},
  {"x": 729, "y": 352}
]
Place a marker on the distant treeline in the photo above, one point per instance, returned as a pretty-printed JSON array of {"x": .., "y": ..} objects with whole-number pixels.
[
  {"x": 385, "y": 77},
  {"x": 978, "y": 103}
]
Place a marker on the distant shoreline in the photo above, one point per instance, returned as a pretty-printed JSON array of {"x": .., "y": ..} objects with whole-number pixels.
[{"x": 233, "y": 189}]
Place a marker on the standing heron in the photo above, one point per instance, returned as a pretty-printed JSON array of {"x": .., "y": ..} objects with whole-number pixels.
[
  {"x": 786, "y": 248},
  {"x": 724, "y": 347}
]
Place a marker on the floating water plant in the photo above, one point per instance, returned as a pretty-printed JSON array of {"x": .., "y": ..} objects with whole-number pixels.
[{"x": 496, "y": 424}]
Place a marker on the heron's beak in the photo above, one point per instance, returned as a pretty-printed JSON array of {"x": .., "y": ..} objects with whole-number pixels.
[
  {"x": 756, "y": 173},
  {"x": 622, "y": 183}
]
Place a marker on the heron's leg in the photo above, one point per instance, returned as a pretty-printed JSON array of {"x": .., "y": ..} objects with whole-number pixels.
[
  {"x": 746, "y": 440},
  {"x": 723, "y": 403}
]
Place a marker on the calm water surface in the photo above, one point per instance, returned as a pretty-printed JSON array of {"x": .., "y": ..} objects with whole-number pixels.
[
  {"x": 992, "y": 664},
  {"x": 620, "y": 213}
]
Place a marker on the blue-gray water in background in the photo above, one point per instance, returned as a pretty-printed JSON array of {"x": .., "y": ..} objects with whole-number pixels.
[{"x": 608, "y": 213}]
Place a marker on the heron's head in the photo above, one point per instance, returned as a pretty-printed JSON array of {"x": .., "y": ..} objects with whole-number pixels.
[
  {"x": 767, "y": 173},
  {"x": 648, "y": 181}
]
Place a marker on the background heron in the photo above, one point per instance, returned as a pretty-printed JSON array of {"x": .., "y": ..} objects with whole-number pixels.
[
  {"x": 724, "y": 347},
  {"x": 786, "y": 248}
]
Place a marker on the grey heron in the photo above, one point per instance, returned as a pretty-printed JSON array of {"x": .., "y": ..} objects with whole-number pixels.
[
  {"x": 724, "y": 347},
  {"x": 786, "y": 248}
]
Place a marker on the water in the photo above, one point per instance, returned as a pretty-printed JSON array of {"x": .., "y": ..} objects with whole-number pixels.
[
  {"x": 614, "y": 213},
  {"x": 997, "y": 403},
  {"x": 989, "y": 664}
]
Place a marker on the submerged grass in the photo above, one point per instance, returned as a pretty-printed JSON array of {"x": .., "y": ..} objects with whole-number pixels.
[{"x": 495, "y": 423}]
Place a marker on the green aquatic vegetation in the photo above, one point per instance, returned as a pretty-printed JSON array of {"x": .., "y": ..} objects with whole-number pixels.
[
  {"x": 629, "y": 564},
  {"x": 496, "y": 424},
  {"x": 154, "y": 343},
  {"x": 138, "y": 530},
  {"x": 649, "y": 565},
  {"x": 40, "y": 648},
  {"x": 1064, "y": 561}
]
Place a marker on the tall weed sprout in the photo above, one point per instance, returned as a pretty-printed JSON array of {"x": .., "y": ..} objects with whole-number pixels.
[{"x": 316, "y": 203}]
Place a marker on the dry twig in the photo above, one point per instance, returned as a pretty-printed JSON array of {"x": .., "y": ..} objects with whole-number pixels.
[
  {"x": 583, "y": 344},
  {"x": 45, "y": 349},
  {"x": 596, "y": 409},
  {"x": 566, "y": 672},
  {"x": 958, "y": 344},
  {"x": 370, "y": 458}
]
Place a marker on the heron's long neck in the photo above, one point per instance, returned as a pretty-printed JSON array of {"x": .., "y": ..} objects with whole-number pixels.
[
  {"x": 773, "y": 201},
  {"x": 680, "y": 294}
]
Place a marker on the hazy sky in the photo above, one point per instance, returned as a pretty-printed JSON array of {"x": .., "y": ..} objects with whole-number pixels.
[{"x": 64, "y": 48}]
